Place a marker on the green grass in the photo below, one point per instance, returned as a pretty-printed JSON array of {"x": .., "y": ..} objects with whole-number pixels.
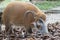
[{"x": 47, "y": 4}]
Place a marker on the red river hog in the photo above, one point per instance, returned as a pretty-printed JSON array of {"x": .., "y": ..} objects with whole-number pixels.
[{"x": 24, "y": 14}]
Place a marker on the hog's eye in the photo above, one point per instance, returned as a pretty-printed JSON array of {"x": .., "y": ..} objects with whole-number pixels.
[
  {"x": 38, "y": 26},
  {"x": 41, "y": 20}
]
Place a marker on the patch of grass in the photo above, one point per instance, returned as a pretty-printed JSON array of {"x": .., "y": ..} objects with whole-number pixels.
[
  {"x": 44, "y": 5},
  {"x": 47, "y": 4}
]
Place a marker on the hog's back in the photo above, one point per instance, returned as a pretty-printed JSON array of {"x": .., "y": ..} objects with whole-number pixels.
[{"x": 15, "y": 11}]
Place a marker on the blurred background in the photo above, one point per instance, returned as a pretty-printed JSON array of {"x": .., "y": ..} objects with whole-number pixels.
[
  {"x": 42, "y": 4},
  {"x": 50, "y": 7}
]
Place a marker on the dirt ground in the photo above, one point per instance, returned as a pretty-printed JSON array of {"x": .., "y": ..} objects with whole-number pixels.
[{"x": 54, "y": 34}]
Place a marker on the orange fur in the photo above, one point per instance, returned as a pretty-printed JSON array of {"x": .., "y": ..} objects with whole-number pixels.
[{"x": 14, "y": 14}]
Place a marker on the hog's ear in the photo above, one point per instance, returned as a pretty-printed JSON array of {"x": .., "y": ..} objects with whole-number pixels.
[{"x": 29, "y": 12}]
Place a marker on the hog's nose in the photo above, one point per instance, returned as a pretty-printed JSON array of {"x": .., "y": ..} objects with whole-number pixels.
[{"x": 43, "y": 29}]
